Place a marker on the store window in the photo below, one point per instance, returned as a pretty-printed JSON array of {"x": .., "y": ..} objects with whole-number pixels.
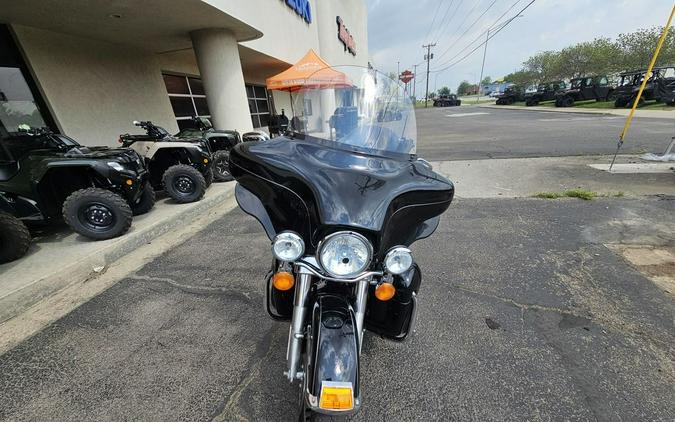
[
  {"x": 258, "y": 105},
  {"x": 21, "y": 106},
  {"x": 187, "y": 97}
]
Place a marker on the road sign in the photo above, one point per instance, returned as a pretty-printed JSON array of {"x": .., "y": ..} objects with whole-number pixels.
[{"x": 406, "y": 76}]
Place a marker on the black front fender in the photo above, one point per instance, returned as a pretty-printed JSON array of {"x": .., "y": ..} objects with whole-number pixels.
[{"x": 333, "y": 348}]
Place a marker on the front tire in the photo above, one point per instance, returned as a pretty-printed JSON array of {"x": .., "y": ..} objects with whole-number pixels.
[
  {"x": 567, "y": 101},
  {"x": 98, "y": 214},
  {"x": 208, "y": 177},
  {"x": 184, "y": 183},
  {"x": 147, "y": 201},
  {"x": 14, "y": 238},
  {"x": 221, "y": 166}
]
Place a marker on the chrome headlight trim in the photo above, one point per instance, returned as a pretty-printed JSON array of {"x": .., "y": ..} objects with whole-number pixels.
[
  {"x": 295, "y": 241},
  {"x": 360, "y": 237},
  {"x": 391, "y": 255}
]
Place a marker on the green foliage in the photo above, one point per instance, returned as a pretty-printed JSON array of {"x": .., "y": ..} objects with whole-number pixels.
[
  {"x": 486, "y": 81},
  {"x": 522, "y": 77},
  {"x": 444, "y": 91},
  {"x": 465, "y": 88},
  {"x": 586, "y": 195}
]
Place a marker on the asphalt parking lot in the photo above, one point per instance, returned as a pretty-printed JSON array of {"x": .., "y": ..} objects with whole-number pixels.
[
  {"x": 470, "y": 133},
  {"x": 525, "y": 315}
]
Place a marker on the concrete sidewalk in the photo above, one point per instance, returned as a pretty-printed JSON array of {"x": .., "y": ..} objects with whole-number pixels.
[
  {"x": 524, "y": 177},
  {"x": 653, "y": 114},
  {"x": 63, "y": 258}
]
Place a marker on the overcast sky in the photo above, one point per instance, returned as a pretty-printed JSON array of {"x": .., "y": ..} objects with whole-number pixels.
[{"x": 398, "y": 28}]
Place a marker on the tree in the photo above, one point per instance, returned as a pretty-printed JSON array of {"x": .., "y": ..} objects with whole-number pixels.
[
  {"x": 486, "y": 81},
  {"x": 522, "y": 77},
  {"x": 444, "y": 91},
  {"x": 463, "y": 87}
]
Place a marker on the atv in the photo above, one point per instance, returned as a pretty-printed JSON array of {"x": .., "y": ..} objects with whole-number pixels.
[
  {"x": 660, "y": 87},
  {"x": 510, "y": 95},
  {"x": 545, "y": 92},
  {"x": 447, "y": 101},
  {"x": 583, "y": 89},
  {"x": 179, "y": 166},
  {"x": 46, "y": 176},
  {"x": 219, "y": 143}
]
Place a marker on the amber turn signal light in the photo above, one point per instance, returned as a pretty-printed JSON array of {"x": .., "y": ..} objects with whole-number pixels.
[
  {"x": 283, "y": 281},
  {"x": 206, "y": 160},
  {"x": 130, "y": 182},
  {"x": 385, "y": 291}
]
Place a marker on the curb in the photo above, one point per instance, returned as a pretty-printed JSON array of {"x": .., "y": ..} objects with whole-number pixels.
[
  {"x": 97, "y": 261},
  {"x": 653, "y": 114}
]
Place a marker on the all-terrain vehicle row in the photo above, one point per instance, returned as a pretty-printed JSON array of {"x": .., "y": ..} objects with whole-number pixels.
[
  {"x": 512, "y": 94},
  {"x": 46, "y": 176},
  {"x": 545, "y": 92},
  {"x": 585, "y": 88},
  {"x": 447, "y": 101},
  {"x": 660, "y": 87}
]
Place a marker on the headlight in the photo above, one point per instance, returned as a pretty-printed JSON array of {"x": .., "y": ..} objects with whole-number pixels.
[
  {"x": 398, "y": 260},
  {"x": 288, "y": 246},
  {"x": 114, "y": 164},
  {"x": 345, "y": 254}
]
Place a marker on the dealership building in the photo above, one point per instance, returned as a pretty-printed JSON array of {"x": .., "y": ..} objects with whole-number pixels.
[{"x": 88, "y": 69}]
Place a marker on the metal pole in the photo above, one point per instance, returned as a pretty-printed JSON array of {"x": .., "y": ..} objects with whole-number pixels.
[
  {"x": 480, "y": 80},
  {"x": 426, "y": 93},
  {"x": 414, "y": 81}
]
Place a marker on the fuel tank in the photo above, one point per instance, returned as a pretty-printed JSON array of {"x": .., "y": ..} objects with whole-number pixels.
[{"x": 314, "y": 189}]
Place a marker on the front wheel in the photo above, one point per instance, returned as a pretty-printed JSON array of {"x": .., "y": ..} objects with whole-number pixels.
[
  {"x": 567, "y": 101},
  {"x": 221, "y": 166},
  {"x": 184, "y": 183},
  {"x": 97, "y": 213},
  {"x": 146, "y": 201},
  {"x": 14, "y": 238}
]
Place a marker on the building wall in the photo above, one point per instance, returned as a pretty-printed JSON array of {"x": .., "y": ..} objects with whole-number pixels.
[{"x": 95, "y": 89}]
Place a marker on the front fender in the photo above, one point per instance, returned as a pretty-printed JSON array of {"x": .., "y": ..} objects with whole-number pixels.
[{"x": 332, "y": 349}]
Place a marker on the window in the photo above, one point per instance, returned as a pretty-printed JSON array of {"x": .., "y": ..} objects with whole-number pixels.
[
  {"x": 258, "y": 105},
  {"x": 187, "y": 97}
]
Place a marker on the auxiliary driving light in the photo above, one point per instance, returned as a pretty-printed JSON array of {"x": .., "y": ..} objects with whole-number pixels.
[
  {"x": 206, "y": 160},
  {"x": 129, "y": 182},
  {"x": 283, "y": 281},
  {"x": 385, "y": 291},
  {"x": 336, "y": 396},
  {"x": 288, "y": 246},
  {"x": 398, "y": 260}
]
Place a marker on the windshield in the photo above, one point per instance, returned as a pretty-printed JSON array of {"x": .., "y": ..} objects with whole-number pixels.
[
  {"x": 355, "y": 107},
  {"x": 576, "y": 83}
]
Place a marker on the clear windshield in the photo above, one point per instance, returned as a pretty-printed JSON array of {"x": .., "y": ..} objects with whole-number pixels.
[{"x": 355, "y": 107}]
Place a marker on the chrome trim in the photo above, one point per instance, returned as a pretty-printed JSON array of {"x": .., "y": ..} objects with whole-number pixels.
[
  {"x": 413, "y": 317},
  {"x": 305, "y": 266},
  {"x": 295, "y": 334},
  {"x": 360, "y": 308},
  {"x": 344, "y": 232},
  {"x": 287, "y": 232}
]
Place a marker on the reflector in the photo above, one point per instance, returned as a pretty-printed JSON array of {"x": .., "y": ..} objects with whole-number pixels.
[{"x": 336, "y": 396}]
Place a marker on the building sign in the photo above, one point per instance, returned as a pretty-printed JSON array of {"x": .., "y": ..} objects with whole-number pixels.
[
  {"x": 345, "y": 37},
  {"x": 302, "y": 8}
]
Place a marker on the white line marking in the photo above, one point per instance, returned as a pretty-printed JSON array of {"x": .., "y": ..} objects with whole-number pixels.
[
  {"x": 572, "y": 119},
  {"x": 465, "y": 114}
]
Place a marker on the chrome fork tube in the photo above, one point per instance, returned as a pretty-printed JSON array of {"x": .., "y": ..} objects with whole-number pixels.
[
  {"x": 296, "y": 335},
  {"x": 360, "y": 311}
]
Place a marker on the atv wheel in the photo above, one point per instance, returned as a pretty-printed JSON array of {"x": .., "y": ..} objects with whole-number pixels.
[
  {"x": 619, "y": 102},
  {"x": 14, "y": 238},
  {"x": 221, "y": 166},
  {"x": 208, "y": 177},
  {"x": 146, "y": 202},
  {"x": 97, "y": 213},
  {"x": 567, "y": 101},
  {"x": 184, "y": 183},
  {"x": 458, "y": 103},
  {"x": 499, "y": 102}
]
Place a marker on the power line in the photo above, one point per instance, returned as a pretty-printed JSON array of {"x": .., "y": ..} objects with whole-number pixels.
[
  {"x": 469, "y": 28},
  {"x": 441, "y": 27},
  {"x": 480, "y": 36},
  {"x": 483, "y": 43},
  {"x": 434, "y": 19}
]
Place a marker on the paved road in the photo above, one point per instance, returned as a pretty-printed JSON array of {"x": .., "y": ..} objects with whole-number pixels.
[
  {"x": 525, "y": 315},
  {"x": 477, "y": 133}
]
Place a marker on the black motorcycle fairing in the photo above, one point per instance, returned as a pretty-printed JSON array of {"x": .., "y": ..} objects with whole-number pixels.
[
  {"x": 252, "y": 206},
  {"x": 333, "y": 347},
  {"x": 314, "y": 189}
]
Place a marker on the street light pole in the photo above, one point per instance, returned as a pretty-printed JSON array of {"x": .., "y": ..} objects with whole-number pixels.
[
  {"x": 480, "y": 81},
  {"x": 414, "y": 81},
  {"x": 427, "y": 58}
]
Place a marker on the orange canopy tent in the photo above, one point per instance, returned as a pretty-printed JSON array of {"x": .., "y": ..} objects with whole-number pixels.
[{"x": 310, "y": 72}]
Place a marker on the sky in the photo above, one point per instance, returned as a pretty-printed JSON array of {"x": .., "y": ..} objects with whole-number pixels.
[{"x": 397, "y": 29}]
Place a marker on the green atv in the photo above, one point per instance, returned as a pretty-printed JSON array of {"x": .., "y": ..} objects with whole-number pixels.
[{"x": 46, "y": 176}]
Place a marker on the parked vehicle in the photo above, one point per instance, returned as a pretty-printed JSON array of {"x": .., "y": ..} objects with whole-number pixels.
[
  {"x": 511, "y": 95},
  {"x": 660, "y": 87},
  {"x": 447, "y": 101},
  {"x": 182, "y": 168},
  {"x": 255, "y": 136},
  {"x": 14, "y": 238},
  {"x": 341, "y": 212},
  {"x": 218, "y": 142},
  {"x": 46, "y": 176},
  {"x": 545, "y": 92},
  {"x": 582, "y": 89}
]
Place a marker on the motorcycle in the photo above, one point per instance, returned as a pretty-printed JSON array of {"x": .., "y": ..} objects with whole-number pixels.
[{"x": 341, "y": 197}]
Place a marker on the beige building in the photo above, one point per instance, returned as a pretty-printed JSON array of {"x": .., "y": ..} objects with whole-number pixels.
[{"x": 89, "y": 68}]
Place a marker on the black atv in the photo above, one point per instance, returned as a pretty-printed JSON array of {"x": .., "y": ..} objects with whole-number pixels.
[
  {"x": 219, "y": 143},
  {"x": 447, "y": 101},
  {"x": 512, "y": 94},
  {"x": 582, "y": 89},
  {"x": 660, "y": 87},
  {"x": 179, "y": 166},
  {"x": 46, "y": 176},
  {"x": 545, "y": 92}
]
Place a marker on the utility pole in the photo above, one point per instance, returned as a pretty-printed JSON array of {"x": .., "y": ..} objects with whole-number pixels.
[
  {"x": 427, "y": 57},
  {"x": 480, "y": 81},
  {"x": 414, "y": 80}
]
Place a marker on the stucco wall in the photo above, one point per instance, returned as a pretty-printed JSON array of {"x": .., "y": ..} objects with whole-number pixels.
[
  {"x": 355, "y": 17},
  {"x": 95, "y": 89}
]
